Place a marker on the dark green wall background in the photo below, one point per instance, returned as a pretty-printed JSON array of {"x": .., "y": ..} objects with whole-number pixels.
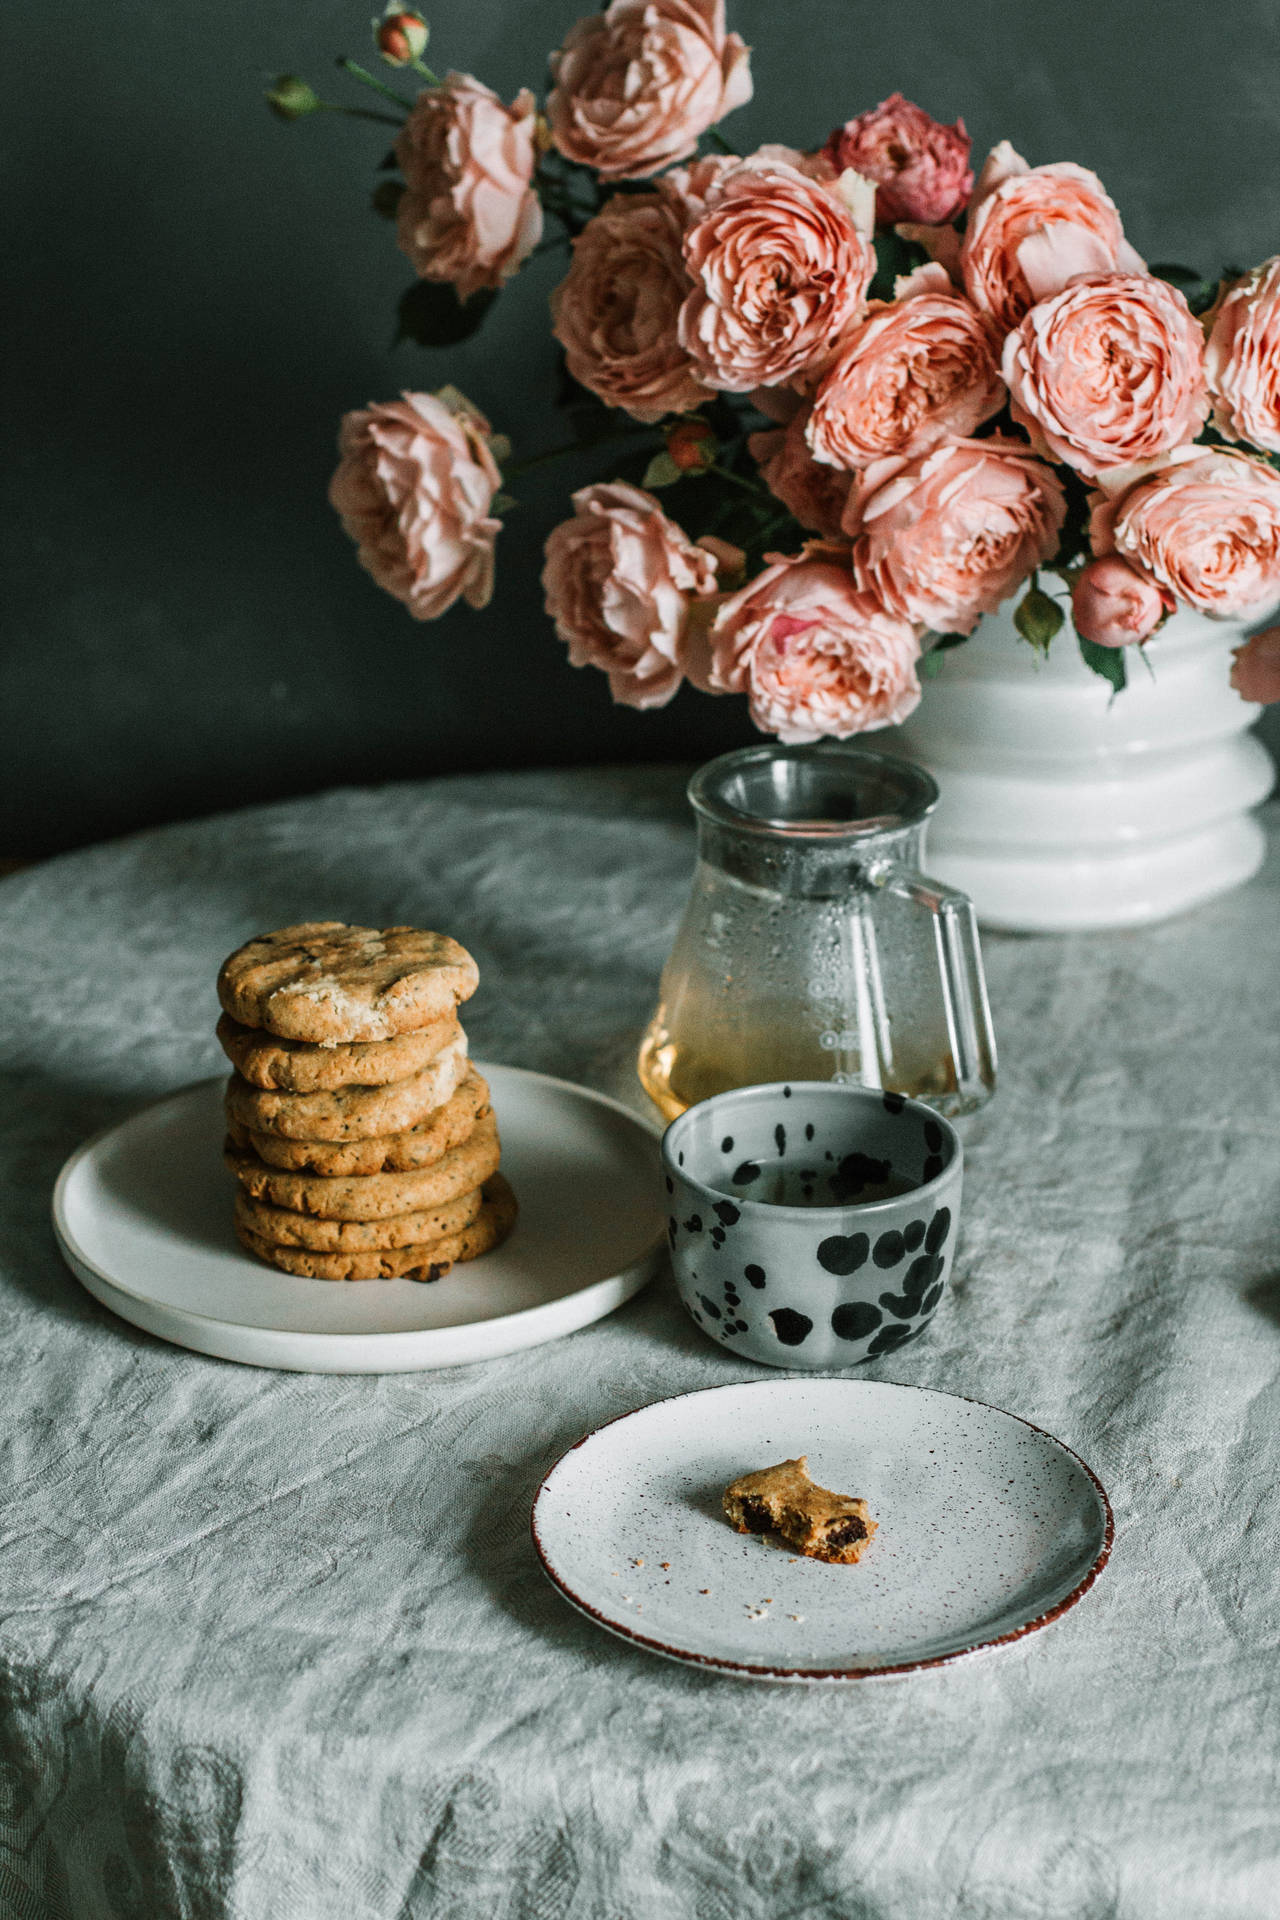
[{"x": 203, "y": 293}]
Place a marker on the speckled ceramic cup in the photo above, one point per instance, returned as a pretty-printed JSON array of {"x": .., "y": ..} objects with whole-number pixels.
[{"x": 811, "y": 1224}]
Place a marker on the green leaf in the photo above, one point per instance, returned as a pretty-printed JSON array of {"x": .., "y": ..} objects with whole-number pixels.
[
  {"x": 661, "y": 471},
  {"x": 929, "y": 665},
  {"x": 1037, "y": 618},
  {"x": 433, "y": 315},
  {"x": 893, "y": 257},
  {"x": 1106, "y": 661},
  {"x": 1197, "y": 291}
]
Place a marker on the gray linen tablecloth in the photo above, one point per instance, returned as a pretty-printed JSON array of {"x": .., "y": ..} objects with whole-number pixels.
[{"x": 275, "y": 1645}]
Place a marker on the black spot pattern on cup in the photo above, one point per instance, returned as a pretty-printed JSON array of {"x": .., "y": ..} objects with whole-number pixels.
[
  {"x": 921, "y": 1274},
  {"x": 933, "y": 1136},
  {"x": 894, "y": 1335},
  {"x": 726, "y": 1145},
  {"x": 672, "y": 1230},
  {"x": 931, "y": 1300},
  {"x": 756, "y": 1275},
  {"x": 808, "y": 1131},
  {"x": 842, "y": 1253},
  {"x": 694, "y": 1223},
  {"x": 717, "y": 1238},
  {"x": 913, "y": 1235},
  {"x": 931, "y": 1169},
  {"x": 855, "y": 1173},
  {"x": 709, "y": 1306},
  {"x": 939, "y": 1228},
  {"x": 786, "y": 1093},
  {"x": 726, "y": 1213},
  {"x": 746, "y": 1173},
  {"x": 780, "y": 1139},
  {"x": 894, "y": 1102},
  {"x": 855, "y": 1319},
  {"x": 889, "y": 1249},
  {"x": 671, "y": 1185},
  {"x": 792, "y": 1328}
]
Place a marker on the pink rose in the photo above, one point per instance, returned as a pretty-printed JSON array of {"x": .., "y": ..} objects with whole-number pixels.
[
  {"x": 908, "y": 376},
  {"x": 814, "y": 655},
  {"x": 1205, "y": 524},
  {"x": 944, "y": 538},
  {"x": 816, "y": 495},
  {"x": 414, "y": 490},
  {"x": 1255, "y": 668},
  {"x": 1108, "y": 372},
  {"x": 1032, "y": 229},
  {"x": 780, "y": 270},
  {"x": 1243, "y": 360},
  {"x": 616, "y": 313},
  {"x": 1113, "y": 604},
  {"x": 620, "y": 579},
  {"x": 920, "y": 167},
  {"x": 636, "y": 85},
  {"x": 468, "y": 214}
]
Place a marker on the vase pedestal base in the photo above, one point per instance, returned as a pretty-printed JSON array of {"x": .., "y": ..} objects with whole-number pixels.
[{"x": 1065, "y": 809}]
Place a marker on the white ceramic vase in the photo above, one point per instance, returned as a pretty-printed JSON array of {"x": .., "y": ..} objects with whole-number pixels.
[{"x": 1065, "y": 809}]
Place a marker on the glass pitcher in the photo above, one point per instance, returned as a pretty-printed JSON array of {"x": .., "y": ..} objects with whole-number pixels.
[{"x": 812, "y": 947}]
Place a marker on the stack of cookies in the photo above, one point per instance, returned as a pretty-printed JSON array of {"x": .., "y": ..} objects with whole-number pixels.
[{"x": 360, "y": 1133}]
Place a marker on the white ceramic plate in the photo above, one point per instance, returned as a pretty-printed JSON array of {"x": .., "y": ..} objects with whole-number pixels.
[
  {"x": 988, "y": 1528},
  {"x": 143, "y": 1217}
]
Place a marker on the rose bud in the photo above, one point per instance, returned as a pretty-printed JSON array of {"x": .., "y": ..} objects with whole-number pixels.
[
  {"x": 1113, "y": 604},
  {"x": 291, "y": 98},
  {"x": 401, "y": 37},
  {"x": 692, "y": 446},
  {"x": 1255, "y": 668}
]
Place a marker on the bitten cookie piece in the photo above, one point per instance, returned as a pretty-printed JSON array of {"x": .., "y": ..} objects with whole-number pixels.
[
  {"x": 330, "y": 983},
  {"x": 784, "y": 1500}
]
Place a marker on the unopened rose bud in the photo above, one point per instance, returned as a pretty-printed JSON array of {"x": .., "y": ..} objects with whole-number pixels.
[
  {"x": 692, "y": 446},
  {"x": 1114, "y": 605},
  {"x": 401, "y": 37},
  {"x": 291, "y": 98}
]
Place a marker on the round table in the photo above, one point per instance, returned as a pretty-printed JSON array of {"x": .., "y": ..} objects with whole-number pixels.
[{"x": 277, "y": 1645}]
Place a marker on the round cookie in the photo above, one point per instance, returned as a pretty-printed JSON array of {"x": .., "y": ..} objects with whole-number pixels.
[
  {"x": 300, "y": 1066},
  {"x": 285, "y": 1228},
  {"x": 351, "y": 1113},
  {"x": 324, "y": 981},
  {"x": 419, "y": 1146},
  {"x": 372, "y": 1196},
  {"x": 490, "y": 1227}
]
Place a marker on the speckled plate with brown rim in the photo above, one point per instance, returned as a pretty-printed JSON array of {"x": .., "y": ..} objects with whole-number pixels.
[{"x": 988, "y": 1529}]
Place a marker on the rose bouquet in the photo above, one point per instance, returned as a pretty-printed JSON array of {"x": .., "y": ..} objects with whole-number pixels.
[{"x": 887, "y": 395}]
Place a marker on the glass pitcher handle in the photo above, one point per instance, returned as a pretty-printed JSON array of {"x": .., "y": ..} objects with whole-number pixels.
[{"x": 964, "y": 986}]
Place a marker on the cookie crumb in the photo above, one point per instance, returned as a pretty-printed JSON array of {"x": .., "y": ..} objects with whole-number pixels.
[
  {"x": 639, "y": 1562},
  {"x": 795, "y": 1616},
  {"x": 666, "y": 1566},
  {"x": 704, "y": 1589},
  {"x": 758, "y": 1613}
]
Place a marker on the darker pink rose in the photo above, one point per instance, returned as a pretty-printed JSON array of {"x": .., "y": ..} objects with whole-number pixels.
[
  {"x": 637, "y": 84},
  {"x": 780, "y": 271},
  {"x": 616, "y": 313},
  {"x": 1255, "y": 668},
  {"x": 816, "y": 495},
  {"x": 920, "y": 167},
  {"x": 1108, "y": 372},
  {"x": 1114, "y": 605},
  {"x": 944, "y": 538},
  {"x": 1033, "y": 229},
  {"x": 1243, "y": 360},
  {"x": 620, "y": 580},
  {"x": 1205, "y": 525},
  {"x": 468, "y": 215},
  {"x": 414, "y": 490},
  {"x": 908, "y": 376},
  {"x": 814, "y": 655}
]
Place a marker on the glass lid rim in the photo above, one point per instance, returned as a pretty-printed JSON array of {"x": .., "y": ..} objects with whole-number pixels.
[{"x": 711, "y": 805}]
